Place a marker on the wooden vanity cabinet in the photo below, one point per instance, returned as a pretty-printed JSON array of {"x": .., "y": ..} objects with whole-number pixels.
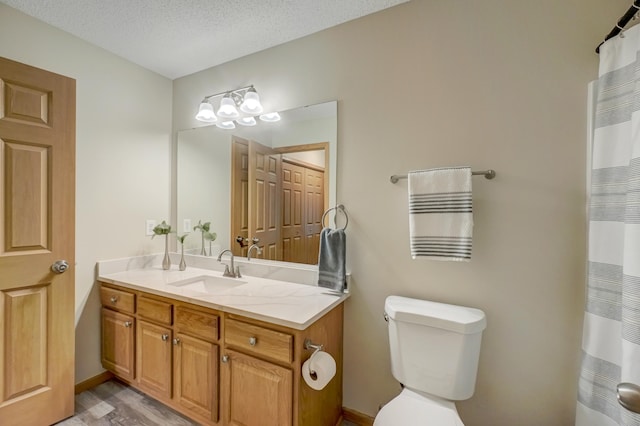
[
  {"x": 219, "y": 369},
  {"x": 176, "y": 350},
  {"x": 262, "y": 383},
  {"x": 118, "y": 332}
]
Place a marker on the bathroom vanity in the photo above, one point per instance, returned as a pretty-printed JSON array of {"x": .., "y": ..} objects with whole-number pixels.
[{"x": 222, "y": 351}]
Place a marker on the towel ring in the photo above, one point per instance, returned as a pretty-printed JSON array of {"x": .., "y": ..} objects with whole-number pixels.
[{"x": 336, "y": 208}]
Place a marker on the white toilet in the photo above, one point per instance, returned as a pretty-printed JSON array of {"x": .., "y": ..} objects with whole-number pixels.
[{"x": 434, "y": 354}]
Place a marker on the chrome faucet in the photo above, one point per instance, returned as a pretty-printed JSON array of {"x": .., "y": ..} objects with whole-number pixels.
[
  {"x": 253, "y": 246},
  {"x": 233, "y": 273}
]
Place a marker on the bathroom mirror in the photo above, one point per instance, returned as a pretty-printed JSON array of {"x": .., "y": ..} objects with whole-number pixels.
[{"x": 213, "y": 184}]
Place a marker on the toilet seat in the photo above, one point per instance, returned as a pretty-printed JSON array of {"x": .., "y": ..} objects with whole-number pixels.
[{"x": 413, "y": 409}]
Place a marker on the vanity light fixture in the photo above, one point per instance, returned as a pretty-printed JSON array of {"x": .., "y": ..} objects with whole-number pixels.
[{"x": 245, "y": 98}]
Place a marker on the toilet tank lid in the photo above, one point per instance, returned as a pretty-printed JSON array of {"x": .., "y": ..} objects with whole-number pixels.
[{"x": 439, "y": 315}]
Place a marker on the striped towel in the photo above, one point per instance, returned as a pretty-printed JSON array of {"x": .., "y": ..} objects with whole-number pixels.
[{"x": 440, "y": 214}]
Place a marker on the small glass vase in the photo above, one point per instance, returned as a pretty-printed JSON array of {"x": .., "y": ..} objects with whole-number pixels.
[
  {"x": 203, "y": 252},
  {"x": 183, "y": 264},
  {"x": 166, "y": 261}
]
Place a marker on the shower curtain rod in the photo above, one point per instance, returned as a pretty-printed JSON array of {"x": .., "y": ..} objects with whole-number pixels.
[{"x": 624, "y": 20}]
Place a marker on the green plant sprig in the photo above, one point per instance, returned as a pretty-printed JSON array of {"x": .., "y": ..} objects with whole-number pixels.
[{"x": 163, "y": 229}]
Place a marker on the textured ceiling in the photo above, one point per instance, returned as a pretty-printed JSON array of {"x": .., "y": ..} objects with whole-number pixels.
[{"x": 179, "y": 37}]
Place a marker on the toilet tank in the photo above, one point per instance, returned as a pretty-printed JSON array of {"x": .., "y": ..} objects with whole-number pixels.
[{"x": 435, "y": 347}]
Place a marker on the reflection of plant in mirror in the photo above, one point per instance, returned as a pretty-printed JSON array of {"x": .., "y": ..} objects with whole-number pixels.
[{"x": 206, "y": 235}]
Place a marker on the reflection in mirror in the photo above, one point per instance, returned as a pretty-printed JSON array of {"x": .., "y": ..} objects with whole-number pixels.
[{"x": 271, "y": 181}]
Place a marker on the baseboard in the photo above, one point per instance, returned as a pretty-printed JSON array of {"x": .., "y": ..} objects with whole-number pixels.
[
  {"x": 93, "y": 381},
  {"x": 356, "y": 417}
]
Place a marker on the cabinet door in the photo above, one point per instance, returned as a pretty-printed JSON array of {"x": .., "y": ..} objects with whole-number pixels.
[
  {"x": 118, "y": 343},
  {"x": 154, "y": 358},
  {"x": 256, "y": 392},
  {"x": 195, "y": 375}
]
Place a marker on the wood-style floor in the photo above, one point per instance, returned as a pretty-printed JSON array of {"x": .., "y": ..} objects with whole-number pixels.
[{"x": 114, "y": 403}]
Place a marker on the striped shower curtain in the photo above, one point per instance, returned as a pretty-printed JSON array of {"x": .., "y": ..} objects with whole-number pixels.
[{"x": 611, "y": 337}]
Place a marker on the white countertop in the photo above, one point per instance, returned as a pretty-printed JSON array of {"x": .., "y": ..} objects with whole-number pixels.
[{"x": 280, "y": 302}]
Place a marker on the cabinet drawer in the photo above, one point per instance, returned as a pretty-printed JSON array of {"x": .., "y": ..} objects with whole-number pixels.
[
  {"x": 197, "y": 323},
  {"x": 155, "y": 310},
  {"x": 259, "y": 340},
  {"x": 118, "y": 299}
]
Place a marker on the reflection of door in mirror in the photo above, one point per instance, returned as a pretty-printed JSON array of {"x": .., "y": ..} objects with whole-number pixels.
[{"x": 278, "y": 198}]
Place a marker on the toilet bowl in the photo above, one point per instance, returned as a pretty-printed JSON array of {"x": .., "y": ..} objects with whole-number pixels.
[
  {"x": 413, "y": 409},
  {"x": 435, "y": 348}
]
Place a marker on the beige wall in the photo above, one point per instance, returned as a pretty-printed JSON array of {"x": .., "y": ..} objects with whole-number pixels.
[
  {"x": 123, "y": 133},
  {"x": 492, "y": 84},
  {"x": 499, "y": 84}
]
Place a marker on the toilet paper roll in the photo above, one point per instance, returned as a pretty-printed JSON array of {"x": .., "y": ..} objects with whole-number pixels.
[{"x": 324, "y": 366}]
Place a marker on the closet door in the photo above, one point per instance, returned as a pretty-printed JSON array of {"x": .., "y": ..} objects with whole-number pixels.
[{"x": 293, "y": 240}]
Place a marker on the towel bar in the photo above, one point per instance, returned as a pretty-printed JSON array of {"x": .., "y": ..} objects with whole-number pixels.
[
  {"x": 488, "y": 174},
  {"x": 336, "y": 208}
]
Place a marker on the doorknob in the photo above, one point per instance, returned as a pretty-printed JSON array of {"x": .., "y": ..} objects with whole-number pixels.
[
  {"x": 629, "y": 396},
  {"x": 60, "y": 266}
]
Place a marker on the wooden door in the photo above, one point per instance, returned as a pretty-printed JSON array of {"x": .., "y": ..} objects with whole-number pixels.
[
  {"x": 264, "y": 189},
  {"x": 292, "y": 200},
  {"x": 153, "y": 358},
  {"x": 195, "y": 369},
  {"x": 37, "y": 205},
  {"x": 118, "y": 339},
  {"x": 315, "y": 207},
  {"x": 239, "y": 195},
  {"x": 256, "y": 392}
]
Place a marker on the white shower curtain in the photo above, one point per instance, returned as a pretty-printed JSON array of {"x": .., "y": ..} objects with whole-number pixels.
[{"x": 611, "y": 337}]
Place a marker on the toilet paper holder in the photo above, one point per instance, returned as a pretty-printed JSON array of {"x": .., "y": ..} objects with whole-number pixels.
[{"x": 309, "y": 345}]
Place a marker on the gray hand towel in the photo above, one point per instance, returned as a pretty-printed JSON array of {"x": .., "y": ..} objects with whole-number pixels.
[{"x": 332, "y": 259}]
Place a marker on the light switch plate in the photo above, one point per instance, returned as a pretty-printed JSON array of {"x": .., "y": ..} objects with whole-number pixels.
[
  {"x": 149, "y": 225},
  {"x": 186, "y": 225}
]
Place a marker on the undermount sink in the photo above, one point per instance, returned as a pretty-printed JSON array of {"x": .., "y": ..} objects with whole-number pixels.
[{"x": 209, "y": 284}]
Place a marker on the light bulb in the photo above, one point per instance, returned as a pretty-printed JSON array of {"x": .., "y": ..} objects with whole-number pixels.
[
  {"x": 251, "y": 103},
  {"x": 227, "y": 125},
  {"x": 246, "y": 121},
  {"x": 228, "y": 108},
  {"x": 270, "y": 117},
  {"x": 205, "y": 113}
]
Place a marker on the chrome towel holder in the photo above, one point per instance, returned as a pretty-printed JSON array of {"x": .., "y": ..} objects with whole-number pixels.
[
  {"x": 339, "y": 207},
  {"x": 488, "y": 174}
]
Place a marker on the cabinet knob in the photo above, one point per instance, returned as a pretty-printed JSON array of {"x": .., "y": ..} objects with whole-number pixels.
[
  {"x": 225, "y": 358},
  {"x": 176, "y": 341},
  {"x": 114, "y": 299},
  {"x": 253, "y": 341},
  {"x": 165, "y": 337},
  {"x": 127, "y": 324}
]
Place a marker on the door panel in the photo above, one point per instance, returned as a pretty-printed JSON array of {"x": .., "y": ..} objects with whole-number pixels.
[
  {"x": 25, "y": 310},
  {"x": 196, "y": 376},
  {"x": 257, "y": 393},
  {"x": 264, "y": 188},
  {"x": 292, "y": 213},
  {"x": 239, "y": 194},
  {"x": 118, "y": 339},
  {"x": 37, "y": 206},
  {"x": 153, "y": 362},
  {"x": 26, "y": 216}
]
